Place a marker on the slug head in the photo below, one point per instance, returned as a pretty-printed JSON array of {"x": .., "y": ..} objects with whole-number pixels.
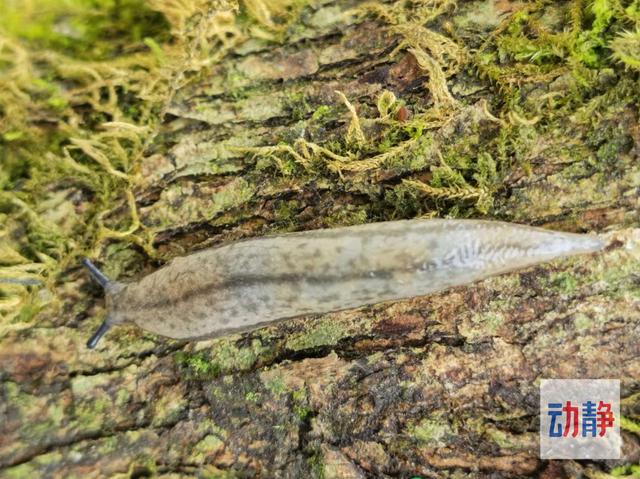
[{"x": 111, "y": 289}]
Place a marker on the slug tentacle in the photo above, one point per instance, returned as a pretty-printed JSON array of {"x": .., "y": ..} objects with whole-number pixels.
[
  {"x": 104, "y": 327},
  {"x": 248, "y": 284},
  {"x": 111, "y": 288},
  {"x": 95, "y": 273}
]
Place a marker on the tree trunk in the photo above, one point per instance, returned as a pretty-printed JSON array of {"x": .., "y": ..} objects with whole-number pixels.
[{"x": 474, "y": 111}]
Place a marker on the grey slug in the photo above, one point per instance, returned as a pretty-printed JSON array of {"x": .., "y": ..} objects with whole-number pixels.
[{"x": 248, "y": 284}]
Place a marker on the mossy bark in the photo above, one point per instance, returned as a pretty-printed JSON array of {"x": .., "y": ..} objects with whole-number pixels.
[{"x": 438, "y": 386}]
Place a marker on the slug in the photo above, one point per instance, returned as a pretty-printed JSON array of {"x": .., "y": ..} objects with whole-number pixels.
[{"x": 248, "y": 284}]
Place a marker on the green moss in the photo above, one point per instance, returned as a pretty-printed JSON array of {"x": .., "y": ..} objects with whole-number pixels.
[
  {"x": 90, "y": 414},
  {"x": 144, "y": 465},
  {"x": 253, "y": 396},
  {"x": 122, "y": 398},
  {"x": 286, "y": 212},
  {"x": 84, "y": 386},
  {"x": 28, "y": 311},
  {"x": 209, "y": 445},
  {"x": 52, "y": 62},
  {"x": 87, "y": 29},
  {"x": 316, "y": 465},
  {"x": 242, "y": 359},
  {"x": 540, "y": 41},
  {"x": 22, "y": 471},
  {"x": 168, "y": 409},
  {"x": 276, "y": 385},
  {"x": 628, "y": 470},
  {"x": 12, "y": 135},
  {"x": 297, "y": 105},
  {"x": 321, "y": 113},
  {"x": 38, "y": 418},
  {"x": 347, "y": 216},
  {"x": 492, "y": 321},
  {"x": 619, "y": 276},
  {"x": 502, "y": 439},
  {"x": 626, "y": 48},
  {"x": 564, "y": 282},
  {"x": 197, "y": 364},
  {"x": 121, "y": 260},
  {"x": 239, "y": 192},
  {"x": 415, "y": 157},
  {"x": 321, "y": 333},
  {"x": 630, "y": 425},
  {"x": 212, "y": 472},
  {"x": 434, "y": 432},
  {"x": 301, "y": 404},
  {"x": 223, "y": 358},
  {"x": 401, "y": 201}
]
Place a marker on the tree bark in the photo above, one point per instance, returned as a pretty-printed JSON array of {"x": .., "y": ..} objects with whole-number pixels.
[{"x": 437, "y": 386}]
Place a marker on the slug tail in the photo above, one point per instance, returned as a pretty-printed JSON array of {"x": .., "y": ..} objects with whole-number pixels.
[
  {"x": 578, "y": 244},
  {"x": 595, "y": 244},
  {"x": 104, "y": 327}
]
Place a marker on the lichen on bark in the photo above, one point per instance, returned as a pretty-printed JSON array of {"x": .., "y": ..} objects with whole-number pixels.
[{"x": 134, "y": 132}]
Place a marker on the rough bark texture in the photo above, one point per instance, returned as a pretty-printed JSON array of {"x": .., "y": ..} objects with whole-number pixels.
[{"x": 438, "y": 386}]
